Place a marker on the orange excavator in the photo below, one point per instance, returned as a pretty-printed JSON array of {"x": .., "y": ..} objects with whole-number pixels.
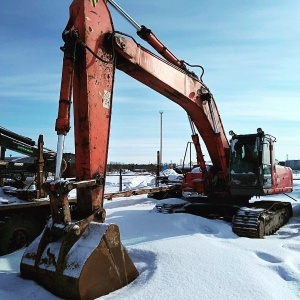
[{"x": 78, "y": 255}]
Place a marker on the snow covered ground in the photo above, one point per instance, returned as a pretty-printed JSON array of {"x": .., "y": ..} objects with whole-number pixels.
[{"x": 181, "y": 256}]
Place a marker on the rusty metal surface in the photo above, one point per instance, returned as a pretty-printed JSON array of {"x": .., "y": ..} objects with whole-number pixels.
[
  {"x": 92, "y": 90},
  {"x": 180, "y": 87}
]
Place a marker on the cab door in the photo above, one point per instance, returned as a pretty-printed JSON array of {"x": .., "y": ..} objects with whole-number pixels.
[{"x": 266, "y": 164}]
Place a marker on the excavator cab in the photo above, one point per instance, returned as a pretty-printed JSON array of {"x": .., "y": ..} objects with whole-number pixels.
[
  {"x": 245, "y": 164},
  {"x": 253, "y": 169}
]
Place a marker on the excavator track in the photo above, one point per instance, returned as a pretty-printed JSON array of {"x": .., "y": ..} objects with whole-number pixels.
[{"x": 261, "y": 219}]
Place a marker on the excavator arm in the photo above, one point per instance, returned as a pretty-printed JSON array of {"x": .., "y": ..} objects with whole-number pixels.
[
  {"x": 78, "y": 256},
  {"x": 91, "y": 82}
]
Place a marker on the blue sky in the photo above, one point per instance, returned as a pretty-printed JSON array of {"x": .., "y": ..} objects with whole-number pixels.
[{"x": 249, "y": 49}]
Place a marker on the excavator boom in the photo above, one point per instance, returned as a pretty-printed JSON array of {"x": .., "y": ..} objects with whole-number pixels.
[{"x": 181, "y": 87}]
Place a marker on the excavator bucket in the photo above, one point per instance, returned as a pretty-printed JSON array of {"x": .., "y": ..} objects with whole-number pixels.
[{"x": 79, "y": 268}]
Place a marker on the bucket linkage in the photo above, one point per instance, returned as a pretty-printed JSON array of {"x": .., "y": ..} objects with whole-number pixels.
[{"x": 82, "y": 259}]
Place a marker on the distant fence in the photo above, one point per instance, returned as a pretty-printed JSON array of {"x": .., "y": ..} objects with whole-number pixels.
[
  {"x": 158, "y": 179},
  {"x": 121, "y": 175}
]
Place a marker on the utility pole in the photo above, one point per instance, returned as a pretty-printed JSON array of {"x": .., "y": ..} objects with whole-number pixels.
[{"x": 160, "y": 151}]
